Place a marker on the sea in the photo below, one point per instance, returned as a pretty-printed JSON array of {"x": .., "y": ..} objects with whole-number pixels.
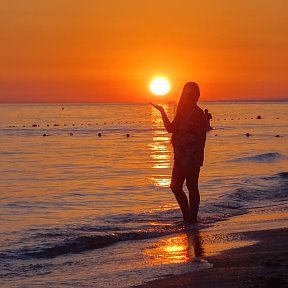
[{"x": 85, "y": 198}]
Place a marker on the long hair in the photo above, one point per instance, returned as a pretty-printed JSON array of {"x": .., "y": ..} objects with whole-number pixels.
[
  {"x": 189, "y": 97},
  {"x": 187, "y": 102}
]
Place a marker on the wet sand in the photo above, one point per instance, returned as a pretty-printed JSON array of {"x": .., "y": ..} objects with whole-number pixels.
[{"x": 261, "y": 264}]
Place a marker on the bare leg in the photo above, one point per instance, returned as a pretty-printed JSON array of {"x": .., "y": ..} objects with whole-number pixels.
[
  {"x": 194, "y": 196},
  {"x": 176, "y": 186},
  {"x": 182, "y": 202}
]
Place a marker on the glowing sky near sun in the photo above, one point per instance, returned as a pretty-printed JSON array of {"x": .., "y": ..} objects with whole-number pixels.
[{"x": 108, "y": 50}]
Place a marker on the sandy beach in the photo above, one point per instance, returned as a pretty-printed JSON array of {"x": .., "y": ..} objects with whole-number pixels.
[{"x": 259, "y": 259}]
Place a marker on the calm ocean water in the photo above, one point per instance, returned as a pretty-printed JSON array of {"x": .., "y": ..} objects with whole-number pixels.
[{"x": 82, "y": 210}]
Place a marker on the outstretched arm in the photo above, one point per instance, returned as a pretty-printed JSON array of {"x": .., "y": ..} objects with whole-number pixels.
[{"x": 166, "y": 121}]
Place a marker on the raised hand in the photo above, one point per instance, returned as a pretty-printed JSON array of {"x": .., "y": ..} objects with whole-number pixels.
[{"x": 158, "y": 107}]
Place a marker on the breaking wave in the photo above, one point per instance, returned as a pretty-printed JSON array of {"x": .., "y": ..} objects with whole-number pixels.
[{"x": 261, "y": 158}]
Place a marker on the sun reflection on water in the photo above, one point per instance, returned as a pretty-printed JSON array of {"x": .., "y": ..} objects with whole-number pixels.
[
  {"x": 161, "y": 181},
  {"x": 160, "y": 151},
  {"x": 182, "y": 248}
]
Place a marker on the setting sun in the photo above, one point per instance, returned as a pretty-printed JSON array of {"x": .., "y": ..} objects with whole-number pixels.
[{"x": 160, "y": 86}]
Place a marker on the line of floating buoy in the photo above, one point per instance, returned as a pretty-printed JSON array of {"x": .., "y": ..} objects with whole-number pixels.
[
  {"x": 128, "y": 135},
  {"x": 99, "y": 134},
  {"x": 65, "y": 124},
  {"x": 249, "y": 135},
  {"x": 259, "y": 117}
]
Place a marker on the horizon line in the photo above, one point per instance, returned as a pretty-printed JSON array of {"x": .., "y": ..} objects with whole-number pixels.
[{"x": 146, "y": 102}]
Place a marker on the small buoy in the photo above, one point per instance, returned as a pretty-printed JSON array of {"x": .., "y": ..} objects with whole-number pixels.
[
  {"x": 127, "y": 135},
  {"x": 248, "y": 134},
  {"x": 258, "y": 117},
  {"x": 99, "y": 134}
]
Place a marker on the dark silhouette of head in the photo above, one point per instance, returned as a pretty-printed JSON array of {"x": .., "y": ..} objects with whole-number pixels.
[{"x": 189, "y": 97}]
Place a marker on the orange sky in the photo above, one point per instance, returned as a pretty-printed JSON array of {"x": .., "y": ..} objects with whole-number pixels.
[{"x": 108, "y": 50}]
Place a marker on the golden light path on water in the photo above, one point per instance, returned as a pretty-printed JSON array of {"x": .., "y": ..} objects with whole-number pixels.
[{"x": 160, "y": 151}]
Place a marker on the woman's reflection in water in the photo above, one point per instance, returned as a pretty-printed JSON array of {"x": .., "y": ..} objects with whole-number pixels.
[
  {"x": 183, "y": 248},
  {"x": 195, "y": 244}
]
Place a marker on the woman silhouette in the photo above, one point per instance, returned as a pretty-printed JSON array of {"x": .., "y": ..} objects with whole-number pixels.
[{"x": 188, "y": 139}]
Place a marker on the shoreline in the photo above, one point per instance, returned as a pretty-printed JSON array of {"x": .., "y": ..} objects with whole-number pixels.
[{"x": 258, "y": 260}]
